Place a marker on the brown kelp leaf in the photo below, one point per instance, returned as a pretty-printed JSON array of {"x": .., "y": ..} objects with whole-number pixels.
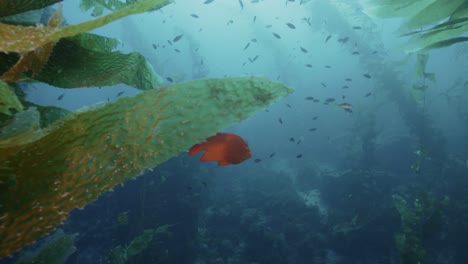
[{"x": 34, "y": 60}]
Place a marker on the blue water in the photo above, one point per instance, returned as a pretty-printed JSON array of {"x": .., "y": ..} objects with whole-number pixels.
[{"x": 323, "y": 184}]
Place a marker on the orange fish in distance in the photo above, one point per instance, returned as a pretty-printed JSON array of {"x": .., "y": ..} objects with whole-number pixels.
[{"x": 225, "y": 148}]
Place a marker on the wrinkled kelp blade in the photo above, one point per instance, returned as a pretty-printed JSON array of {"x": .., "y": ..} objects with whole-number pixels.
[
  {"x": 22, "y": 39},
  {"x": 88, "y": 153},
  {"x": 95, "y": 42},
  {"x": 12, "y": 7},
  {"x": 65, "y": 68}
]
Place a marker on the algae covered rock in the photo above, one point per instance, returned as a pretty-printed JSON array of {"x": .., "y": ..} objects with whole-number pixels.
[{"x": 87, "y": 153}]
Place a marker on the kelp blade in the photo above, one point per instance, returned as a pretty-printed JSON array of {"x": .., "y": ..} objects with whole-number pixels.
[
  {"x": 87, "y": 153},
  {"x": 65, "y": 69},
  {"x": 22, "y": 39}
]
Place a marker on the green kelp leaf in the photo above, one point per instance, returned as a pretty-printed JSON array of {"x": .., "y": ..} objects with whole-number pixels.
[
  {"x": 445, "y": 43},
  {"x": 50, "y": 114},
  {"x": 95, "y": 42},
  {"x": 8, "y": 99},
  {"x": 442, "y": 32},
  {"x": 21, "y": 39},
  {"x": 448, "y": 20},
  {"x": 461, "y": 12},
  {"x": 65, "y": 68},
  {"x": 88, "y": 153},
  {"x": 433, "y": 13},
  {"x": 395, "y": 8},
  {"x": 30, "y": 17},
  {"x": 13, "y": 7},
  {"x": 24, "y": 127}
]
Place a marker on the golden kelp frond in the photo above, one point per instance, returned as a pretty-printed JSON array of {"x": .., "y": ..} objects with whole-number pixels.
[
  {"x": 22, "y": 39},
  {"x": 89, "y": 152},
  {"x": 34, "y": 60}
]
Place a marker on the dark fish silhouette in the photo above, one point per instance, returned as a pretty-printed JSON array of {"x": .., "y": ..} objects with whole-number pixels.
[
  {"x": 368, "y": 94},
  {"x": 280, "y": 120},
  {"x": 291, "y": 139},
  {"x": 328, "y": 38},
  {"x": 60, "y": 97},
  {"x": 303, "y": 50},
  {"x": 343, "y": 40},
  {"x": 312, "y": 129},
  {"x": 356, "y": 53},
  {"x": 348, "y": 79},
  {"x": 257, "y": 160},
  {"x": 170, "y": 79},
  {"x": 290, "y": 25},
  {"x": 272, "y": 154},
  {"x": 194, "y": 15},
  {"x": 308, "y": 65},
  {"x": 299, "y": 156},
  {"x": 154, "y": 46},
  {"x": 120, "y": 93},
  {"x": 357, "y": 27},
  {"x": 177, "y": 38},
  {"x": 309, "y": 98},
  {"x": 324, "y": 85},
  {"x": 246, "y": 46},
  {"x": 241, "y": 4},
  {"x": 367, "y": 75},
  {"x": 276, "y": 35},
  {"x": 208, "y": 1},
  {"x": 254, "y": 58},
  {"x": 314, "y": 118}
]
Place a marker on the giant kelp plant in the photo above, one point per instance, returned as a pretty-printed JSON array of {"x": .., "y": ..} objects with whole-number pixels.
[{"x": 49, "y": 168}]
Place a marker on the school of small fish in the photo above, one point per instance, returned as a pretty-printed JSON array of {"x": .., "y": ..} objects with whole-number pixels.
[{"x": 228, "y": 148}]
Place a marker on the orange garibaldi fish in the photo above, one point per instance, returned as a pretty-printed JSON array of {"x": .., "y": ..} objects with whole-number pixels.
[{"x": 225, "y": 148}]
